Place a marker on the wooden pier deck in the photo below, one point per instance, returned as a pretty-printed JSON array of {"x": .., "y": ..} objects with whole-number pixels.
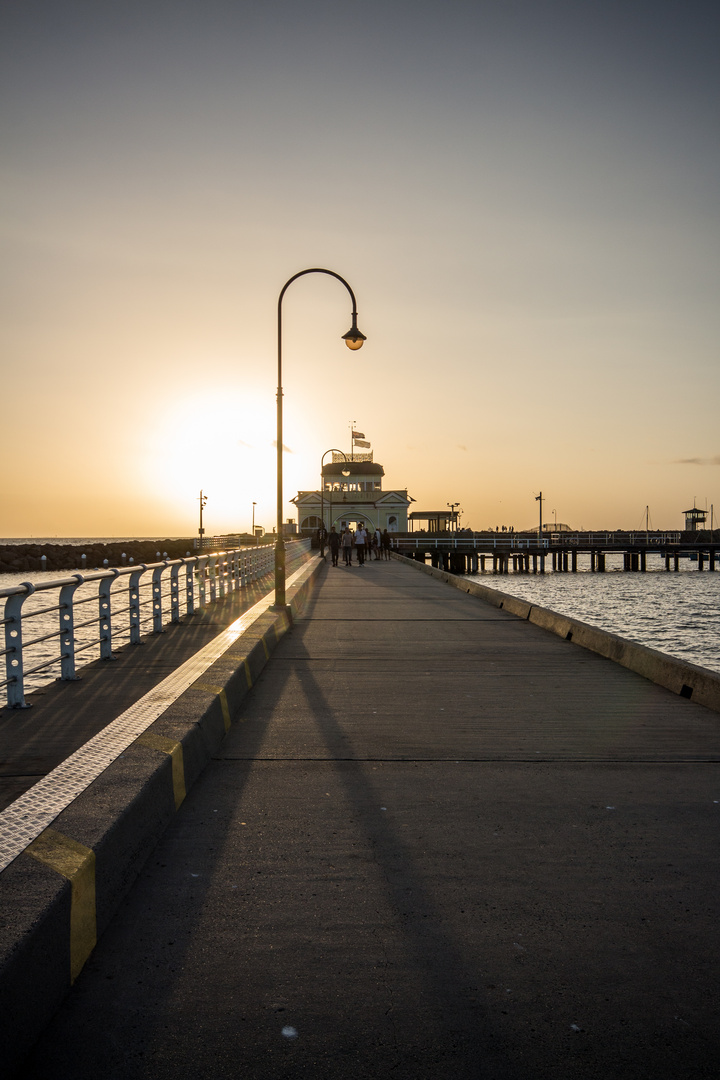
[{"x": 437, "y": 840}]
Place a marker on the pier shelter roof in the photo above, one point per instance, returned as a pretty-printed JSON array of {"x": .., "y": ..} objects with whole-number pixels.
[{"x": 353, "y": 468}]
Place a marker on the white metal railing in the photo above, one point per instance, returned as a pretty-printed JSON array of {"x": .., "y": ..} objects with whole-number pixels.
[
  {"x": 120, "y": 615},
  {"x": 469, "y": 543},
  {"x": 515, "y": 542}
]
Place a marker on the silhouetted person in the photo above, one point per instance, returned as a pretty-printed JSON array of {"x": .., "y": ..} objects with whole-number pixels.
[
  {"x": 334, "y": 545},
  {"x": 347, "y": 545}
]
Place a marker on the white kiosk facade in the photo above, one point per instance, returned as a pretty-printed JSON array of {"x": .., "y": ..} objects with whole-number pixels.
[{"x": 353, "y": 493}]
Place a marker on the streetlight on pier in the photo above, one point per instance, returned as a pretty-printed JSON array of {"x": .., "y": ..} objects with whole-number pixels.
[
  {"x": 452, "y": 515},
  {"x": 354, "y": 340},
  {"x": 253, "y": 529},
  {"x": 539, "y": 499},
  {"x": 201, "y": 531}
]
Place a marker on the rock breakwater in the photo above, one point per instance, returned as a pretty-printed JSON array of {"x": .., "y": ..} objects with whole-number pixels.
[{"x": 18, "y": 558}]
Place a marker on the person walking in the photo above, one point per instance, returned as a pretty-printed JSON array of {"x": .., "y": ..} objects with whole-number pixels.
[
  {"x": 334, "y": 545},
  {"x": 360, "y": 542},
  {"x": 377, "y": 544},
  {"x": 347, "y": 545},
  {"x": 386, "y": 544}
]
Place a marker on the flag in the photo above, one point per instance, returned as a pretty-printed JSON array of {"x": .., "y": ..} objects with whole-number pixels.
[
  {"x": 358, "y": 434},
  {"x": 361, "y": 442}
]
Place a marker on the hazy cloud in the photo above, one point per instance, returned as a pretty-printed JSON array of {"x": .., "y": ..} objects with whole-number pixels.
[
  {"x": 461, "y": 447},
  {"x": 698, "y": 460}
]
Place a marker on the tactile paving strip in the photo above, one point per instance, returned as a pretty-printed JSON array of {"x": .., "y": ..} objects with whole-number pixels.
[{"x": 24, "y": 820}]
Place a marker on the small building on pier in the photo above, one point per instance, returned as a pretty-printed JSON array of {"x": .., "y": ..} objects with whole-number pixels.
[
  {"x": 694, "y": 519},
  {"x": 433, "y": 521},
  {"x": 352, "y": 493}
]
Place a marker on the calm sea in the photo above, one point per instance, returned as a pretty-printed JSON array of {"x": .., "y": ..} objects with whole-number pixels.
[{"x": 677, "y": 613}]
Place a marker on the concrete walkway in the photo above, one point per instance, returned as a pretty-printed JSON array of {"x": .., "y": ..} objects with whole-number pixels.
[{"x": 439, "y": 841}]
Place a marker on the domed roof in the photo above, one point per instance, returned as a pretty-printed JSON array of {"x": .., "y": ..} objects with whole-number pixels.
[{"x": 353, "y": 468}]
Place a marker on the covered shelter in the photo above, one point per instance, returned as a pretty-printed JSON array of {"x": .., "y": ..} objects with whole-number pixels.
[{"x": 437, "y": 521}]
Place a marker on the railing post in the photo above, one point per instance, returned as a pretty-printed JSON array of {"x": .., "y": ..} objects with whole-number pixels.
[
  {"x": 202, "y": 564},
  {"x": 14, "y": 646},
  {"x": 157, "y": 599},
  {"x": 221, "y": 564},
  {"x": 106, "y": 616},
  {"x": 67, "y": 629},
  {"x": 174, "y": 593},
  {"x": 190, "y": 565},
  {"x": 212, "y": 576},
  {"x": 134, "y": 603}
]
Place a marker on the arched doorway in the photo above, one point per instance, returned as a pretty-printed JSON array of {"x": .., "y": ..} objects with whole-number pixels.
[{"x": 344, "y": 519}]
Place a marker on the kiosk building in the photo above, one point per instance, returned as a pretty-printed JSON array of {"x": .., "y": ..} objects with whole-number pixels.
[{"x": 352, "y": 492}]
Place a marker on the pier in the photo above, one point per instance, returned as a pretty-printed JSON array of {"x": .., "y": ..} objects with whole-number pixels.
[
  {"x": 526, "y": 553},
  {"x": 428, "y": 833}
]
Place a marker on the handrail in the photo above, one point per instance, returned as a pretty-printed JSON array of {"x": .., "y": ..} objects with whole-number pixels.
[
  {"x": 216, "y": 574},
  {"x": 516, "y": 542}
]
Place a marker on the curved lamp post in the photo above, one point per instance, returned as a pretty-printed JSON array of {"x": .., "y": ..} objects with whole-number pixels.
[{"x": 353, "y": 339}]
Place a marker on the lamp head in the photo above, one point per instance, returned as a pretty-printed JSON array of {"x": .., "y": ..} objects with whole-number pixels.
[{"x": 354, "y": 339}]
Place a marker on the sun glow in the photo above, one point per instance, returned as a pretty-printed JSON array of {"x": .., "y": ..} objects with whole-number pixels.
[{"x": 219, "y": 441}]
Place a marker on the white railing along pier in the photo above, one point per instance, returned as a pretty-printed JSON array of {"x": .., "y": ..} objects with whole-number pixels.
[{"x": 105, "y": 609}]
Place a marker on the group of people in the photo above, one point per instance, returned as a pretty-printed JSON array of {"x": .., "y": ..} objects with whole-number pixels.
[{"x": 361, "y": 541}]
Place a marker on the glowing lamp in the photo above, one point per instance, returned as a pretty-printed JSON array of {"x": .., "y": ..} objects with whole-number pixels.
[{"x": 354, "y": 339}]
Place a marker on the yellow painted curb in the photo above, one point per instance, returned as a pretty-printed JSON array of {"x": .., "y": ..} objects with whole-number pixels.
[
  {"x": 175, "y": 750},
  {"x": 220, "y": 691},
  {"x": 76, "y": 863}
]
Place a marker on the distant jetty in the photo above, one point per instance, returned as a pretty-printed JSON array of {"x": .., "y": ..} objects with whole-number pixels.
[{"x": 19, "y": 558}]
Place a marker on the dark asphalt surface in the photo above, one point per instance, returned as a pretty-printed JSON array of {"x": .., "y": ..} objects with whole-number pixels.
[{"x": 439, "y": 841}]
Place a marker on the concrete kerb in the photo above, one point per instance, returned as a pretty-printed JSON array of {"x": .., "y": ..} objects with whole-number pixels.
[
  {"x": 59, "y": 895},
  {"x": 679, "y": 676}
]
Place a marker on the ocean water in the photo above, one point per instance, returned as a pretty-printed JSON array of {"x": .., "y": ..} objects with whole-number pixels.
[{"x": 676, "y": 613}]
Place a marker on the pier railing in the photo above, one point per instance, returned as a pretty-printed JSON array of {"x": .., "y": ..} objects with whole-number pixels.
[
  {"x": 518, "y": 542},
  {"x": 49, "y": 625}
]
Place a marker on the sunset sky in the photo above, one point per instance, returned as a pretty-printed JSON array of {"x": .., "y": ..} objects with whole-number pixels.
[{"x": 523, "y": 194}]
